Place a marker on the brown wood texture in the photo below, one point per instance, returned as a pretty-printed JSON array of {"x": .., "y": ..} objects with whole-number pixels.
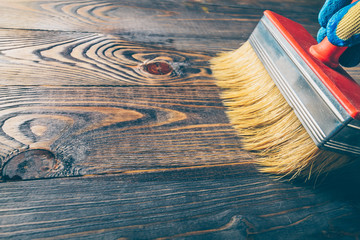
[
  {"x": 114, "y": 129},
  {"x": 111, "y": 127},
  {"x": 184, "y": 25},
  {"x": 179, "y": 18},
  {"x": 72, "y": 58},
  {"x": 209, "y": 203}
]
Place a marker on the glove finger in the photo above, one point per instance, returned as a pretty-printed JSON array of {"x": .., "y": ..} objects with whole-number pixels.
[
  {"x": 343, "y": 28},
  {"x": 321, "y": 34},
  {"x": 351, "y": 57},
  {"x": 329, "y": 8}
]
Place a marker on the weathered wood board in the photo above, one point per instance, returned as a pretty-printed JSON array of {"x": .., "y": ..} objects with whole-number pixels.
[
  {"x": 209, "y": 203},
  {"x": 111, "y": 127}
]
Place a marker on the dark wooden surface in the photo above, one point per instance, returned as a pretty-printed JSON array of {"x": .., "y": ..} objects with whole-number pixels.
[{"x": 94, "y": 145}]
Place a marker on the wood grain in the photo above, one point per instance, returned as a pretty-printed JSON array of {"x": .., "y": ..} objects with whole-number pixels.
[
  {"x": 217, "y": 203},
  {"x": 154, "y": 154},
  {"x": 57, "y": 58},
  {"x": 171, "y": 23},
  {"x": 113, "y": 129},
  {"x": 67, "y": 58},
  {"x": 123, "y": 16}
]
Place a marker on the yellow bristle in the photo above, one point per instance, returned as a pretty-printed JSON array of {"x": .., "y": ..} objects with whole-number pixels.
[{"x": 267, "y": 124}]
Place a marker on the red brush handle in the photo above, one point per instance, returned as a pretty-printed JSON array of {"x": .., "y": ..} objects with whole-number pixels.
[{"x": 328, "y": 53}]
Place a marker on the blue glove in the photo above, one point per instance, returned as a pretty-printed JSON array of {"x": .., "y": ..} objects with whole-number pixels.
[{"x": 340, "y": 22}]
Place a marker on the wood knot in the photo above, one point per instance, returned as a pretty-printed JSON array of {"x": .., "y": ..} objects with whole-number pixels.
[
  {"x": 30, "y": 164},
  {"x": 158, "y": 68}
]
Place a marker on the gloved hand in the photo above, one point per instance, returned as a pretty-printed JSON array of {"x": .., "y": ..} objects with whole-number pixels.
[{"x": 340, "y": 22}]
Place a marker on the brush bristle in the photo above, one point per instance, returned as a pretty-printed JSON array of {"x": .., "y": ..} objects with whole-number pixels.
[{"x": 266, "y": 122}]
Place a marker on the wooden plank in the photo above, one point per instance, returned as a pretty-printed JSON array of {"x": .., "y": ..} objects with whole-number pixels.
[
  {"x": 142, "y": 20},
  {"x": 57, "y": 58},
  {"x": 179, "y": 168},
  {"x": 68, "y": 58},
  {"x": 222, "y": 203},
  {"x": 90, "y": 130},
  {"x": 274, "y": 5}
]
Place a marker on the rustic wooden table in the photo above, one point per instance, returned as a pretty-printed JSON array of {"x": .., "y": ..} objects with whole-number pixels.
[{"x": 112, "y": 127}]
